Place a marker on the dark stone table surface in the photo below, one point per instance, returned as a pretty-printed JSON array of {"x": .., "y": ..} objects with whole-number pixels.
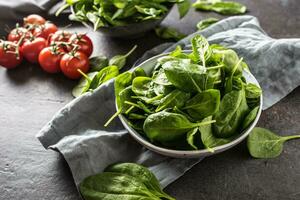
[{"x": 29, "y": 98}]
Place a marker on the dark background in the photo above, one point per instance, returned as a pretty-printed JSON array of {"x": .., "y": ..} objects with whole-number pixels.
[{"x": 29, "y": 98}]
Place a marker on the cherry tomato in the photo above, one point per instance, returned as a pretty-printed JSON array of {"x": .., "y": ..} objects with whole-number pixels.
[
  {"x": 32, "y": 48},
  {"x": 71, "y": 62},
  {"x": 84, "y": 43},
  {"x": 34, "y": 19},
  {"x": 16, "y": 34},
  {"x": 49, "y": 59},
  {"x": 9, "y": 58},
  {"x": 60, "y": 36},
  {"x": 45, "y": 30}
]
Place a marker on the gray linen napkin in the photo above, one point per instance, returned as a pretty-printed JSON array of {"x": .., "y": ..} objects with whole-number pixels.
[{"x": 77, "y": 130}]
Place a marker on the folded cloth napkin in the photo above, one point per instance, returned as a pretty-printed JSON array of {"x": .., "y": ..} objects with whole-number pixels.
[{"x": 77, "y": 131}]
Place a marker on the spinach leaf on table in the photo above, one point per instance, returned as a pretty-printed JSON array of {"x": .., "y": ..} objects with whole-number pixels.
[
  {"x": 222, "y": 7},
  {"x": 263, "y": 143}
]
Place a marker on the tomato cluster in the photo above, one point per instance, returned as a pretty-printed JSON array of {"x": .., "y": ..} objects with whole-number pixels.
[{"x": 40, "y": 41}]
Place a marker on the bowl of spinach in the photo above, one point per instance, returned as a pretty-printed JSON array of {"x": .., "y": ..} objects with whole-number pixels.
[
  {"x": 123, "y": 18},
  {"x": 189, "y": 103}
]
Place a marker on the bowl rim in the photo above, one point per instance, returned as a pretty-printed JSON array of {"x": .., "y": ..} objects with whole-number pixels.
[{"x": 190, "y": 153}]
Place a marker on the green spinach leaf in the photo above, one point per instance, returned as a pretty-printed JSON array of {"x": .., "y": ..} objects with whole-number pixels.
[
  {"x": 233, "y": 109},
  {"x": 208, "y": 139},
  {"x": 226, "y": 7},
  {"x": 120, "y": 60},
  {"x": 175, "y": 98},
  {"x": 165, "y": 126},
  {"x": 185, "y": 76},
  {"x": 203, "y": 24},
  {"x": 263, "y": 143},
  {"x": 98, "y": 63},
  {"x": 203, "y": 104}
]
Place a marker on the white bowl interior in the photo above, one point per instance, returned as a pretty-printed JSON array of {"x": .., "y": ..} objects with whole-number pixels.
[{"x": 148, "y": 66}]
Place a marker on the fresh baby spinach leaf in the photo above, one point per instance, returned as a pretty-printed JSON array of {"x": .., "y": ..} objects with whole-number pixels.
[
  {"x": 175, "y": 98},
  {"x": 208, "y": 139},
  {"x": 98, "y": 63},
  {"x": 142, "y": 86},
  {"x": 114, "y": 186},
  {"x": 165, "y": 126},
  {"x": 190, "y": 137},
  {"x": 233, "y": 109},
  {"x": 120, "y": 60},
  {"x": 250, "y": 118},
  {"x": 183, "y": 7},
  {"x": 222, "y": 7},
  {"x": 143, "y": 174},
  {"x": 83, "y": 85},
  {"x": 184, "y": 75},
  {"x": 263, "y": 143},
  {"x": 203, "y": 24},
  {"x": 203, "y": 104}
]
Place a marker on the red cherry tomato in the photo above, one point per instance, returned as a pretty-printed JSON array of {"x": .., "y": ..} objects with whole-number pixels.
[
  {"x": 34, "y": 19},
  {"x": 45, "y": 30},
  {"x": 60, "y": 36},
  {"x": 32, "y": 48},
  {"x": 84, "y": 43},
  {"x": 70, "y": 63},
  {"x": 49, "y": 59},
  {"x": 9, "y": 58},
  {"x": 16, "y": 34}
]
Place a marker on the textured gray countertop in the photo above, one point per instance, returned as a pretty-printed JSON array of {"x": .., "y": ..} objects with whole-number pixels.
[{"x": 29, "y": 98}]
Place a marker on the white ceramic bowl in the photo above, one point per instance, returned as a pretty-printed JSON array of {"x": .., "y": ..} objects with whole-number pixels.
[{"x": 148, "y": 66}]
